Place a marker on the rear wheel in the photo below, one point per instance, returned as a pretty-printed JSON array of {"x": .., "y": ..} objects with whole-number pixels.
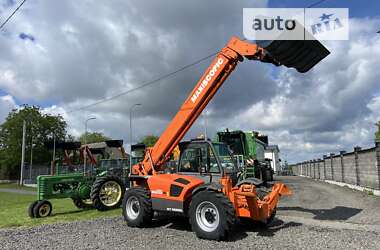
[
  {"x": 42, "y": 209},
  {"x": 107, "y": 192},
  {"x": 212, "y": 215},
  {"x": 137, "y": 207}
]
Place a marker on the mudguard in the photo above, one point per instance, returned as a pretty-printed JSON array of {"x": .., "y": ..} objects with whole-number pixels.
[
  {"x": 214, "y": 186},
  {"x": 252, "y": 180}
]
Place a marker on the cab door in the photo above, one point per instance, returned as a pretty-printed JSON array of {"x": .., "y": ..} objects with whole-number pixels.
[{"x": 199, "y": 160}]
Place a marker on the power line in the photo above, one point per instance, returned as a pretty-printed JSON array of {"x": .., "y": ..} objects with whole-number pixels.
[
  {"x": 315, "y": 4},
  {"x": 11, "y": 15},
  {"x": 145, "y": 84}
]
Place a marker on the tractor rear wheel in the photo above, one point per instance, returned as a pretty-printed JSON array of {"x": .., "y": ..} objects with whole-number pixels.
[
  {"x": 212, "y": 215},
  {"x": 42, "y": 209},
  {"x": 31, "y": 208},
  {"x": 107, "y": 192},
  {"x": 137, "y": 207},
  {"x": 82, "y": 203}
]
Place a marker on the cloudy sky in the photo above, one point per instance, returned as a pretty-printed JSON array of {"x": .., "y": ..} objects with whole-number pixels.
[{"x": 62, "y": 55}]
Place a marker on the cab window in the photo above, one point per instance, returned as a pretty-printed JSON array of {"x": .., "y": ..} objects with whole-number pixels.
[{"x": 188, "y": 162}]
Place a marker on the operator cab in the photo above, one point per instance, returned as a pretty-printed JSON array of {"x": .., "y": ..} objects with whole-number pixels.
[{"x": 206, "y": 160}]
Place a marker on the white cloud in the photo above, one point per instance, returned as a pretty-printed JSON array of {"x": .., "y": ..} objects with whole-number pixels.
[{"x": 84, "y": 51}]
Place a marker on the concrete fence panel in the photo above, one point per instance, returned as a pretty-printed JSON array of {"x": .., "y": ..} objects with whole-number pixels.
[
  {"x": 349, "y": 168},
  {"x": 368, "y": 168},
  {"x": 337, "y": 168},
  {"x": 328, "y": 168},
  {"x": 322, "y": 172}
]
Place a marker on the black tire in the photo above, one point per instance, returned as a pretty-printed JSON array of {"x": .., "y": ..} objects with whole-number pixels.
[
  {"x": 137, "y": 199},
  {"x": 81, "y": 204},
  {"x": 96, "y": 195},
  {"x": 225, "y": 217},
  {"x": 42, "y": 209},
  {"x": 30, "y": 209}
]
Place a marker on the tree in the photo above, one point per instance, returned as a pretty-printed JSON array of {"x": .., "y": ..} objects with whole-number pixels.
[
  {"x": 378, "y": 131},
  {"x": 39, "y": 129},
  {"x": 93, "y": 137},
  {"x": 149, "y": 140}
]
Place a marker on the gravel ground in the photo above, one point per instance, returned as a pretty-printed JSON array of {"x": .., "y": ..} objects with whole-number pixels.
[{"x": 315, "y": 217}]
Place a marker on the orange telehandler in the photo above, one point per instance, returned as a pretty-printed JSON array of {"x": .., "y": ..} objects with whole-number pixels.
[{"x": 213, "y": 198}]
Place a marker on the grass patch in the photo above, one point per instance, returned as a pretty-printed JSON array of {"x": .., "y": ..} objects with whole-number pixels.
[
  {"x": 14, "y": 207},
  {"x": 16, "y": 186}
]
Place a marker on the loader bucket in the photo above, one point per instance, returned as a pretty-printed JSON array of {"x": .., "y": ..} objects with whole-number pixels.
[{"x": 299, "y": 54}]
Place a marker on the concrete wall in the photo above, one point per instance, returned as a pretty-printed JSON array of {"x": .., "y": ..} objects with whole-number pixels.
[{"x": 360, "y": 167}]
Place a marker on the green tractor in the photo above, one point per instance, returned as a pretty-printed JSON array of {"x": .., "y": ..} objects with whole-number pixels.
[
  {"x": 249, "y": 149},
  {"x": 100, "y": 183}
]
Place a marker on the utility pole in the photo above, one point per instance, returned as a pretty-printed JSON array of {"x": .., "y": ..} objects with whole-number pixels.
[
  {"x": 130, "y": 134},
  {"x": 53, "y": 147},
  {"x": 23, "y": 152},
  {"x": 205, "y": 124},
  {"x": 53, "y": 160},
  {"x": 31, "y": 158}
]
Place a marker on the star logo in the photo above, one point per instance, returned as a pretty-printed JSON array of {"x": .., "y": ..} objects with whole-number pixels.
[{"x": 325, "y": 17}]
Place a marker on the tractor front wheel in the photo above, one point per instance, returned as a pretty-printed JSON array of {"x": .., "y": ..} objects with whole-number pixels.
[
  {"x": 137, "y": 207},
  {"x": 107, "y": 192},
  {"x": 212, "y": 215},
  {"x": 42, "y": 209},
  {"x": 31, "y": 208}
]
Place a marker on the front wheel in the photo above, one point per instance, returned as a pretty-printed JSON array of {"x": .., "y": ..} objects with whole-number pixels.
[
  {"x": 31, "y": 209},
  {"x": 212, "y": 215},
  {"x": 137, "y": 207},
  {"x": 42, "y": 209}
]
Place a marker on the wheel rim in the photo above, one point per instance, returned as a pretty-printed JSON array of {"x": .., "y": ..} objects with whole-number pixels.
[
  {"x": 132, "y": 207},
  {"x": 207, "y": 216},
  {"x": 110, "y": 193},
  {"x": 44, "y": 210}
]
